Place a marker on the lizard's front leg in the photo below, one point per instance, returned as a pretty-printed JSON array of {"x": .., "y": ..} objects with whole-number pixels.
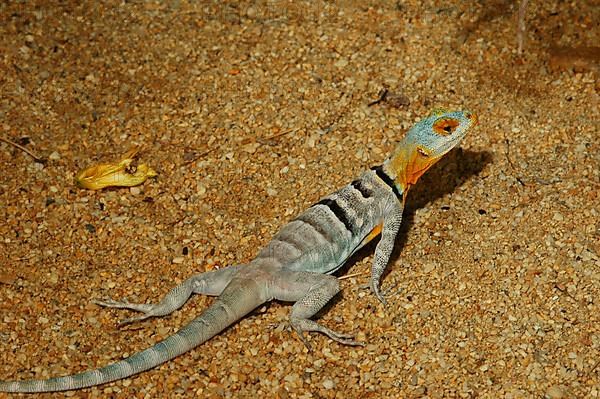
[
  {"x": 391, "y": 225},
  {"x": 310, "y": 292},
  {"x": 208, "y": 283}
]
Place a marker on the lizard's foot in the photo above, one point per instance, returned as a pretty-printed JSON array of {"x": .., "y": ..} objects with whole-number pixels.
[
  {"x": 303, "y": 325},
  {"x": 314, "y": 290},
  {"x": 278, "y": 327},
  {"x": 381, "y": 295},
  {"x": 208, "y": 283},
  {"x": 378, "y": 294},
  {"x": 148, "y": 310}
]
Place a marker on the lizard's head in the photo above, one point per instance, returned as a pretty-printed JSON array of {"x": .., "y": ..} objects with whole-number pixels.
[{"x": 428, "y": 141}]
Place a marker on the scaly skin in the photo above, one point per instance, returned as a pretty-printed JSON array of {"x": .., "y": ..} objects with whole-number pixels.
[{"x": 296, "y": 265}]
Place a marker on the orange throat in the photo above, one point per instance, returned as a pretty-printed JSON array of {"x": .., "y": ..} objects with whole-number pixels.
[{"x": 409, "y": 167}]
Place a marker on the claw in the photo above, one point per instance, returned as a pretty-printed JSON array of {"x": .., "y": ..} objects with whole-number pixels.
[
  {"x": 130, "y": 320},
  {"x": 125, "y": 304},
  {"x": 377, "y": 293},
  {"x": 307, "y": 325},
  {"x": 382, "y": 300},
  {"x": 344, "y": 339},
  {"x": 303, "y": 338},
  {"x": 100, "y": 303},
  {"x": 351, "y": 342},
  {"x": 146, "y": 309},
  {"x": 111, "y": 303}
]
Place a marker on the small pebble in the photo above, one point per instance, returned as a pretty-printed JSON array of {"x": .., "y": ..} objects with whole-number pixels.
[
  {"x": 341, "y": 63},
  {"x": 328, "y": 384},
  {"x": 251, "y": 12},
  {"x": 555, "y": 392},
  {"x": 558, "y": 217},
  {"x": 53, "y": 278}
]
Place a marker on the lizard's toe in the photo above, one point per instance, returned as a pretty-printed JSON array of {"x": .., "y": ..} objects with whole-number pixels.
[
  {"x": 130, "y": 320},
  {"x": 350, "y": 342},
  {"x": 125, "y": 304},
  {"x": 378, "y": 294},
  {"x": 381, "y": 295},
  {"x": 307, "y": 325}
]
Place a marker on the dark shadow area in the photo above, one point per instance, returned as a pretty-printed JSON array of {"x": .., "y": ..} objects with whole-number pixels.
[{"x": 490, "y": 11}]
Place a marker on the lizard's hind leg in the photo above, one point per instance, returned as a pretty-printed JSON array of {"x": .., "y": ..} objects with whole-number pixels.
[
  {"x": 311, "y": 292},
  {"x": 208, "y": 283}
]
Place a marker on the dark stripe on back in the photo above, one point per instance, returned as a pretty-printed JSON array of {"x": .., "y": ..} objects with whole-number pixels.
[
  {"x": 338, "y": 212},
  {"x": 359, "y": 185},
  {"x": 387, "y": 180}
]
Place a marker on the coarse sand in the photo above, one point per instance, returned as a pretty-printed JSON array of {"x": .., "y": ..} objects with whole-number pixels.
[{"x": 252, "y": 111}]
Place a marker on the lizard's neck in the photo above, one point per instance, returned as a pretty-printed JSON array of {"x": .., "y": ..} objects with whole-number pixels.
[
  {"x": 397, "y": 176},
  {"x": 405, "y": 166}
]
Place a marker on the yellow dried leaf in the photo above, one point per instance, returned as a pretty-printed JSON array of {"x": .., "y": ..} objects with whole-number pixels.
[{"x": 125, "y": 173}]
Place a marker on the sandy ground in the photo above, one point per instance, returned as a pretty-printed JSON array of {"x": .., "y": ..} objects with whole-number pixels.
[{"x": 252, "y": 112}]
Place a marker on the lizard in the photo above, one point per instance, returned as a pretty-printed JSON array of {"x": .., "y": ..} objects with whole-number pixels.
[{"x": 296, "y": 265}]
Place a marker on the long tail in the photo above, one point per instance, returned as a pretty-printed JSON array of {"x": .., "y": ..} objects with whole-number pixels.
[{"x": 238, "y": 299}]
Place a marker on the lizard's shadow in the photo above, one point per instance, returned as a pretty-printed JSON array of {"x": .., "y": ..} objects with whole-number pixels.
[{"x": 443, "y": 178}]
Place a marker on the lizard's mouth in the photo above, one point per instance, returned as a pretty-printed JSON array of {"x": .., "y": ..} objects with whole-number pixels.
[{"x": 472, "y": 117}]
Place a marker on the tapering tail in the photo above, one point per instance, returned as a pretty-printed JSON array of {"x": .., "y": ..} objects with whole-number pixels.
[{"x": 238, "y": 299}]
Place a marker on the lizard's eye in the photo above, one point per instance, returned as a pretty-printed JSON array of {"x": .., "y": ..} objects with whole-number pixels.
[
  {"x": 422, "y": 152},
  {"x": 445, "y": 126}
]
